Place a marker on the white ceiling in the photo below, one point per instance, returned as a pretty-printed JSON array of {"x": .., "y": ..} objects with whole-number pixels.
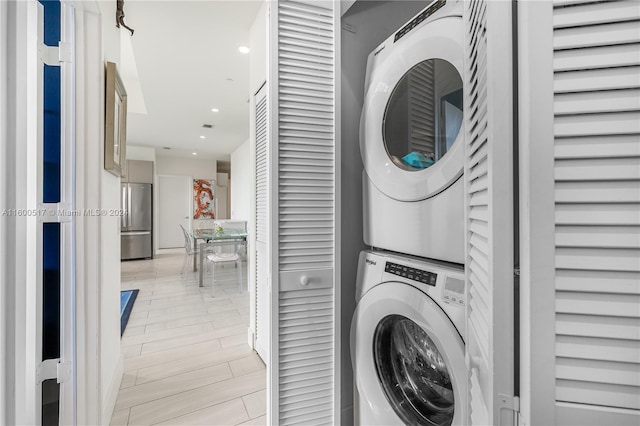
[{"x": 187, "y": 62}]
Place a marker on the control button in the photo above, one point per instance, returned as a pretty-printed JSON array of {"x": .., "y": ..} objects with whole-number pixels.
[
  {"x": 460, "y": 302},
  {"x": 446, "y": 297}
]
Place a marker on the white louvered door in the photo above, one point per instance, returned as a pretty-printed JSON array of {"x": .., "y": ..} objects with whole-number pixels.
[
  {"x": 489, "y": 211},
  {"x": 302, "y": 100},
  {"x": 262, "y": 289},
  {"x": 596, "y": 62}
]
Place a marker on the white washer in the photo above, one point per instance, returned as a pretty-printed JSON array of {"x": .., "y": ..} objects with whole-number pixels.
[
  {"x": 412, "y": 138},
  {"x": 407, "y": 342}
]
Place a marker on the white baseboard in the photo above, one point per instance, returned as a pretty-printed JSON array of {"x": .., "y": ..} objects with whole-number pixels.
[{"x": 109, "y": 402}]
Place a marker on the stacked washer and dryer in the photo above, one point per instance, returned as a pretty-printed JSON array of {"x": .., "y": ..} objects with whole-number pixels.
[{"x": 408, "y": 330}]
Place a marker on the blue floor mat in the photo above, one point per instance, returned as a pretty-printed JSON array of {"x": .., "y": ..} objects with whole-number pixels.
[{"x": 127, "y": 298}]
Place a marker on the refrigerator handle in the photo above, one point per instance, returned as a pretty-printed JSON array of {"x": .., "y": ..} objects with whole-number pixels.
[
  {"x": 125, "y": 207},
  {"x": 129, "y": 205}
]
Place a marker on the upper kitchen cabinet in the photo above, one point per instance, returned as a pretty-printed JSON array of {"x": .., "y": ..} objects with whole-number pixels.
[{"x": 138, "y": 171}]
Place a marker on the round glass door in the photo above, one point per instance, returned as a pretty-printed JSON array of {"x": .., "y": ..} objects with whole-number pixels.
[
  {"x": 413, "y": 373},
  {"x": 424, "y": 115}
]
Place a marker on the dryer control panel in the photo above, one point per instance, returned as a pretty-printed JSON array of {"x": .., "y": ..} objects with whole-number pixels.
[
  {"x": 414, "y": 274},
  {"x": 433, "y": 8}
]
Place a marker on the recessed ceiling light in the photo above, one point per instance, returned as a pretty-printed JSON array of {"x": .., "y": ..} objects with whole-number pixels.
[
  {"x": 243, "y": 49},
  {"x": 202, "y": 137},
  {"x": 194, "y": 153},
  {"x": 215, "y": 110}
]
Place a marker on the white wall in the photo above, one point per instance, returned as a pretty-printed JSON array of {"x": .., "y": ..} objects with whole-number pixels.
[
  {"x": 111, "y": 359},
  {"x": 222, "y": 195},
  {"x": 203, "y": 169},
  {"x": 241, "y": 172},
  {"x": 143, "y": 153},
  {"x": 373, "y": 21},
  {"x": 258, "y": 44},
  {"x": 194, "y": 168}
]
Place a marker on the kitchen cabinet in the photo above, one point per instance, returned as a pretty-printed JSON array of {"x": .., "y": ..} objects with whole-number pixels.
[{"x": 138, "y": 171}]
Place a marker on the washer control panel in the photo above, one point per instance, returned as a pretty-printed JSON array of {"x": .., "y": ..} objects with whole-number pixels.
[
  {"x": 414, "y": 274},
  {"x": 453, "y": 291}
]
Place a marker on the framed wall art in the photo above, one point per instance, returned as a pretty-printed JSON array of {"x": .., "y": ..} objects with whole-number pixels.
[
  {"x": 203, "y": 205},
  {"x": 115, "y": 123}
]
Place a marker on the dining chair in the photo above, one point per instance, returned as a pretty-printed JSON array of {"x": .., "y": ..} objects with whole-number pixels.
[
  {"x": 189, "y": 252},
  {"x": 217, "y": 256}
]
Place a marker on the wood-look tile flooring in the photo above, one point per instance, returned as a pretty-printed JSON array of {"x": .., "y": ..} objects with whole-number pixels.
[{"x": 186, "y": 357}]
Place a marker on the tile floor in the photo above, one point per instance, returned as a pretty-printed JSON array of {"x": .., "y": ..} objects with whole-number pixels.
[{"x": 186, "y": 357}]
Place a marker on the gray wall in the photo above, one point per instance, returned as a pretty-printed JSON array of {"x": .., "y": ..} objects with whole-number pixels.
[{"x": 370, "y": 23}]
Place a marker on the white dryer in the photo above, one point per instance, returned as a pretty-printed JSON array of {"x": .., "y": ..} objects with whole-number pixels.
[
  {"x": 411, "y": 138},
  {"x": 407, "y": 342}
]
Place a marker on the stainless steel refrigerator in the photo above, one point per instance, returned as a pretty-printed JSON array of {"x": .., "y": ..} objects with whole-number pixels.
[{"x": 136, "y": 226}]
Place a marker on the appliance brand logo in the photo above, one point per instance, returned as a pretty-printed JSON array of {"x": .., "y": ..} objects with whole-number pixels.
[
  {"x": 378, "y": 51},
  {"x": 370, "y": 262}
]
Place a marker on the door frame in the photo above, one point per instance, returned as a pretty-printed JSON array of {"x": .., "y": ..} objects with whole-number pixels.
[
  {"x": 21, "y": 234},
  {"x": 88, "y": 168},
  {"x": 18, "y": 403},
  {"x": 262, "y": 92}
]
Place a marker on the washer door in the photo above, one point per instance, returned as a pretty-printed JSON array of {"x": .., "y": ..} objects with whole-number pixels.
[
  {"x": 411, "y": 129},
  {"x": 408, "y": 359}
]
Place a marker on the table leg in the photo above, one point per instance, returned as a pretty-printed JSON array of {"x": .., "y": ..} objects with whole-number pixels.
[
  {"x": 202, "y": 267},
  {"x": 195, "y": 250}
]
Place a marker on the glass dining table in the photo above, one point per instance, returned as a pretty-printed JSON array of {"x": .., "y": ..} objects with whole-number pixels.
[{"x": 212, "y": 236}]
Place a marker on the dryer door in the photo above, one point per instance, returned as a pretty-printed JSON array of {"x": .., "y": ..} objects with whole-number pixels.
[
  {"x": 408, "y": 359},
  {"x": 411, "y": 133}
]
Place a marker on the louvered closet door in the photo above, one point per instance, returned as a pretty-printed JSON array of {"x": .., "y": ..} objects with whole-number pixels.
[
  {"x": 489, "y": 224},
  {"x": 262, "y": 227},
  {"x": 597, "y": 200},
  {"x": 302, "y": 99}
]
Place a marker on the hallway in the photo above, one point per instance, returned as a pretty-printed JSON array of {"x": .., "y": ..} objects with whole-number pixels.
[{"x": 186, "y": 358}]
